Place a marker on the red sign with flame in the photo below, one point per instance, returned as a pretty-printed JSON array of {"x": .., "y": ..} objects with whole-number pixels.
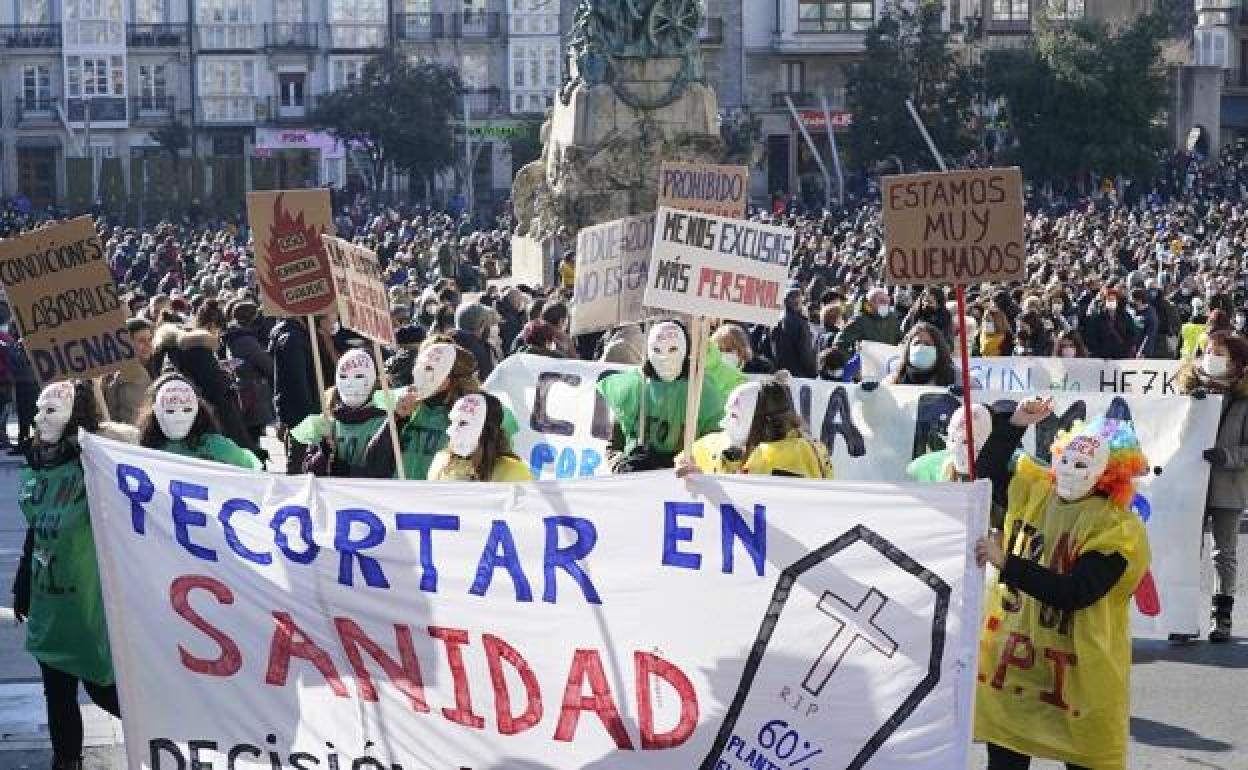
[{"x": 292, "y": 266}]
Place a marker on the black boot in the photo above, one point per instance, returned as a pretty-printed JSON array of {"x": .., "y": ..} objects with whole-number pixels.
[{"x": 1220, "y": 628}]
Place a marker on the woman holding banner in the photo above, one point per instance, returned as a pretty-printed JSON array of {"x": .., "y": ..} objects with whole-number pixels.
[
  {"x": 1223, "y": 370},
  {"x": 925, "y": 359},
  {"x": 338, "y": 442},
  {"x": 57, "y": 589},
  {"x": 178, "y": 420},
  {"x": 478, "y": 448},
  {"x": 762, "y": 435},
  {"x": 1055, "y": 648}
]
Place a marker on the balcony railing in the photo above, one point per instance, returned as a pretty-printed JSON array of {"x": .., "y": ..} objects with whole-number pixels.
[
  {"x": 226, "y": 37},
  {"x": 357, "y": 37},
  {"x": 292, "y": 36},
  {"x": 419, "y": 27},
  {"x": 227, "y": 109},
  {"x": 483, "y": 102},
  {"x": 476, "y": 25},
  {"x": 274, "y": 112},
  {"x": 104, "y": 109},
  {"x": 157, "y": 35},
  {"x": 153, "y": 109},
  {"x": 40, "y": 110},
  {"x": 30, "y": 35},
  {"x": 712, "y": 32},
  {"x": 800, "y": 99}
]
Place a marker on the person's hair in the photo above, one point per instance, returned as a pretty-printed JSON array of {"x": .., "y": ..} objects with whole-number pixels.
[
  {"x": 136, "y": 325},
  {"x": 537, "y": 333},
  {"x": 942, "y": 372},
  {"x": 85, "y": 412},
  {"x": 494, "y": 442},
  {"x": 829, "y": 315},
  {"x": 831, "y": 359},
  {"x": 774, "y": 415},
  {"x": 737, "y": 340},
  {"x": 150, "y": 433},
  {"x": 209, "y": 315},
  {"x": 244, "y": 313},
  {"x": 555, "y": 313},
  {"x": 1218, "y": 321},
  {"x": 536, "y": 307},
  {"x": 1236, "y": 348},
  {"x": 1139, "y": 295},
  {"x": 472, "y": 317}
]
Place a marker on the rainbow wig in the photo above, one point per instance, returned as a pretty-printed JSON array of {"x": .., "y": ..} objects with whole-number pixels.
[{"x": 1126, "y": 459}]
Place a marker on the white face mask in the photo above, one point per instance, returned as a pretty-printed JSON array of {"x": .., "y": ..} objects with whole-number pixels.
[
  {"x": 1216, "y": 365},
  {"x": 1080, "y": 466},
  {"x": 981, "y": 422},
  {"x": 432, "y": 369},
  {"x": 666, "y": 350},
  {"x": 1111, "y": 305},
  {"x": 731, "y": 359},
  {"x": 54, "y": 407},
  {"x": 739, "y": 413},
  {"x": 355, "y": 378},
  {"x": 467, "y": 422},
  {"x": 177, "y": 406}
]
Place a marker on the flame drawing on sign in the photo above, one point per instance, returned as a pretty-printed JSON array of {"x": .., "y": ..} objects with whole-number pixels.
[{"x": 291, "y": 242}]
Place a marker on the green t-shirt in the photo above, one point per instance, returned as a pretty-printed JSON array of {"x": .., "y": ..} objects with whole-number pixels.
[
  {"x": 423, "y": 435},
  {"x": 665, "y": 409},
  {"x": 66, "y": 629},
  {"x": 350, "y": 440},
  {"x": 217, "y": 448}
]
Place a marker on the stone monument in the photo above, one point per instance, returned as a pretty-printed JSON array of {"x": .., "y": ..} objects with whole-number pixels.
[{"x": 637, "y": 96}]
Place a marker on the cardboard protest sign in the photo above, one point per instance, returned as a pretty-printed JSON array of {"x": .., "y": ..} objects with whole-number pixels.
[
  {"x": 960, "y": 227},
  {"x": 705, "y": 187},
  {"x": 339, "y": 624},
  {"x": 611, "y": 263},
  {"x": 65, "y": 304},
  {"x": 362, "y": 302},
  {"x": 291, "y": 264},
  {"x": 718, "y": 268}
]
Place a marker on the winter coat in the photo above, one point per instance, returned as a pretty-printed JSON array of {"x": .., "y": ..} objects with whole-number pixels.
[
  {"x": 793, "y": 346},
  {"x": 866, "y": 325},
  {"x": 1110, "y": 336},
  {"x": 255, "y": 374},
  {"x": 1228, "y": 483},
  {"x": 194, "y": 354},
  {"x": 295, "y": 394},
  {"x": 473, "y": 344}
]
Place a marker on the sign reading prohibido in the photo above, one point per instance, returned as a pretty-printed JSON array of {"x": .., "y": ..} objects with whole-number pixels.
[
  {"x": 710, "y": 189},
  {"x": 961, "y": 227},
  {"x": 291, "y": 264},
  {"x": 65, "y": 303}
]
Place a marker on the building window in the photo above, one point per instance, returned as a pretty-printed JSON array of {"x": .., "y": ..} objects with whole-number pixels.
[
  {"x": 34, "y": 12},
  {"x": 795, "y": 77},
  {"x": 226, "y": 24},
  {"x": 288, "y": 11},
  {"x": 291, "y": 88},
  {"x": 1066, "y": 10},
  {"x": 1011, "y": 10},
  {"x": 357, "y": 23},
  {"x": 94, "y": 22},
  {"x": 835, "y": 16},
  {"x": 37, "y": 86},
  {"x": 152, "y": 86},
  {"x": 344, "y": 72},
  {"x": 94, "y": 76},
  {"x": 228, "y": 89},
  {"x": 550, "y": 54},
  {"x": 149, "y": 11},
  {"x": 517, "y": 66}
]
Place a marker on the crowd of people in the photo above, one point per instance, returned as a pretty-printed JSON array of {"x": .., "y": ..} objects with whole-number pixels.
[{"x": 1112, "y": 275}]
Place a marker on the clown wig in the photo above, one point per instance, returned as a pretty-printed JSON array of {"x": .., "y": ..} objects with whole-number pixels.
[{"x": 1126, "y": 459}]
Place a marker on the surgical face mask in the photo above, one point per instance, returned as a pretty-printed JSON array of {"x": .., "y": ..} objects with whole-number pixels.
[
  {"x": 1068, "y": 352},
  {"x": 1111, "y": 305},
  {"x": 177, "y": 406},
  {"x": 1079, "y": 466},
  {"x": 666, "y": 350},
  {"x": 1217, "y": 365},
  {"x": 731, "y": 359},
  {"x": 882, "y": 309},
  {"x": 432, "y": 369},
  {"x": 981, "y": 423},
  {"x": 739, "y": 413},
  {"x": 355, "y": 378},
  {"x": 54, "y": 407},
  {"x": 467, "y": 423},
  {"x": 922, "y": 356},
  {"x": 990, "y": 326}
]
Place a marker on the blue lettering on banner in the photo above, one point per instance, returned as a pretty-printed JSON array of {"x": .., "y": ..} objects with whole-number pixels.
[
  {"x": 754, "y": 541},
  {"x": 500, "y": 551},
  {"x": 673, "y": 534},
  {"x": 568, "y": 558},
  {"x": 138, "y": 495},
  {"x": 425, "y": 524},
  {"x": 228, "y": 509},
  {"x": 303, "y": 517},
  {"x": 565, "y": 461},
  {"x": 185, "y": 517},
  {"x": 347, "y": 547}
]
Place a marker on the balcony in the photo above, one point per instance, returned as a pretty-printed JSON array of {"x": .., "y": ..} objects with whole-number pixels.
[
  {"x": 39, "y": 111},
  {"x": 292, "y": 36},
  {"x": 483, "y": 102},
  {"x": 471, "y": 25},
  {"x": 225, "y": 37},
  {"x": 418, "y": 27},
  {"x": 31, "y": 35},
  {"x": 712, "y": 32},
  {"x": 103, "y": 109},
  {"x": 157, "y": 35},
  {"x": 800, "y": 99},
  {"x": 357, "y": 36},
  {"x": 227, "y": 110},
  {"x": 153, "y": 109},
  {"x": 274, "y": 113}
]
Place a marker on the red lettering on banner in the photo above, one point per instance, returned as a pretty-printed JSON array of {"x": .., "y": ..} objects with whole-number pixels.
[
  {"x": 230, "y": 660},
  {"x": 1010, "y": 657},
  {"x": 289, "y": 641},
  {"x": 405, "y": 673},
  {"x": 1060, "y": 660},
  {"x": 454, "y": 639},
  {"x": 648, "y": 666},
  {"x": 497, "y": 651},
  {"x": 586, "y": 664}
]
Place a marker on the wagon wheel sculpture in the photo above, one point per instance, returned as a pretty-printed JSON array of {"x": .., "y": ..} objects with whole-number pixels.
[{"x": 673, "y": 25}]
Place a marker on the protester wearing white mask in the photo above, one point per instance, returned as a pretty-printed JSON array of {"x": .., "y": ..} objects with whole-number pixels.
[
  {"x": 762, "y": 434},
  {"x": 925, "y": 359},
  {"x": 1074, "y": 556},
  {"x": 338, "y": 442},
  {"x": 178, "y": 420},
  {"x": 1222, "y": 371},
  {"x": 663, "y": 383},
  {"x": 953, "y": 463},
  {"x": 478, "y": 448}
]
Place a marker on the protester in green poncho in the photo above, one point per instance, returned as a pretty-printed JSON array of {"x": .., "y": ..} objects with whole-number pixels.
[
  {"x": 57, "y": 590},
  {"x": 340, "y": 440},
  {"x": 665, "y": 377},
  {"x": 178, "y": 420}
]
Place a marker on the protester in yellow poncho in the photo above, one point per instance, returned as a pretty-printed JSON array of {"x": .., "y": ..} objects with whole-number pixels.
[
  {"x": 762, "y": 435},
  {"x": 1055, "y": 649},
  {"x": 477, "y": 445}
]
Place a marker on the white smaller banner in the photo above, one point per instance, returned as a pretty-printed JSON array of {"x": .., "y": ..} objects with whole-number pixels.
[
  {"x": 1027, "y": 374},
  {"x": 611, "y": 263},
  {"x": 715, "y": 267}
]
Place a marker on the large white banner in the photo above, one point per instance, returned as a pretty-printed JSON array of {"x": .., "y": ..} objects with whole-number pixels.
[
  {"x": 263, "y": 621},
  {"x": 1144, "y": 376},
  {"x": 873, "y": 435}
]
